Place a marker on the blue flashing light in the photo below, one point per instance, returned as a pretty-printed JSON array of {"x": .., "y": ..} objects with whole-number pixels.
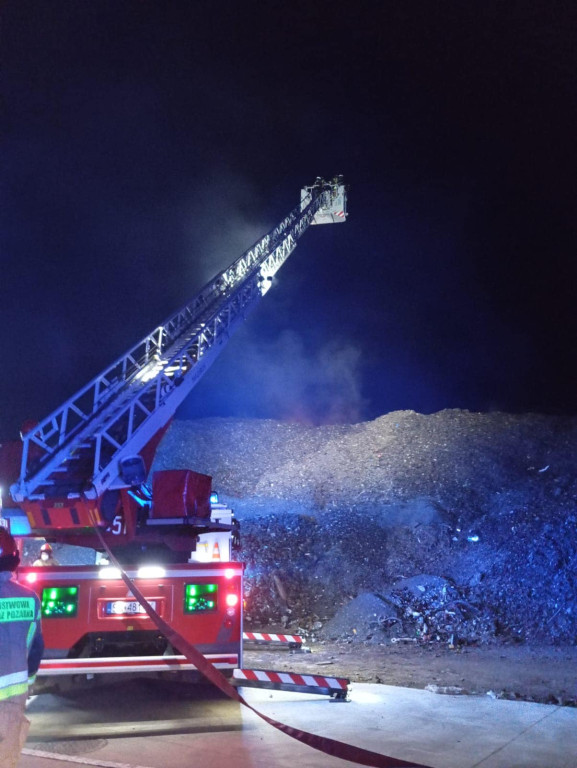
[
  {"x": 19, "y": 523},
  {"x": 214, "y": 498},
  {"x": 138, "y": 498}
]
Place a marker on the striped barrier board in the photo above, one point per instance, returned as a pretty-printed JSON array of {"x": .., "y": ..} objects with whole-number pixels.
[
  {"x": 293, "y": 641},
  {"x": 124, "y": 664},
  {"x": 336, "y": 687}
]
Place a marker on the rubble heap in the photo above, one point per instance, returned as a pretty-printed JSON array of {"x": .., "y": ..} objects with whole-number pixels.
[{"x": 454, "y": 527}]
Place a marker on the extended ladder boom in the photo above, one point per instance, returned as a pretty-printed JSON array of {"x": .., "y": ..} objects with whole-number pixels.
[{"x": 93, "y": 442}]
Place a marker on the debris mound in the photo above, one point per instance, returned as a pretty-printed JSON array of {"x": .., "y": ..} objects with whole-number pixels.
[
  {"x": 366, "y": 618},
  {"x": 342, "y": 525}
]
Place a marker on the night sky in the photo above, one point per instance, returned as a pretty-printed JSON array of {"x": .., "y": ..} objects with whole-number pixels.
[{"x": 145, "y": 145}]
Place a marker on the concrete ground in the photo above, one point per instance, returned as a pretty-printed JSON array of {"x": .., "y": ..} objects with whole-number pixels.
[{"x": 441, "y": 731}]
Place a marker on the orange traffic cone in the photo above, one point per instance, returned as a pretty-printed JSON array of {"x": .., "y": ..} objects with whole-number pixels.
[{"x": 216, "y": 551}]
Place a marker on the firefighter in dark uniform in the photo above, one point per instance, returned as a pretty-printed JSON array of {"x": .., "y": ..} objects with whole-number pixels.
[{"x": 21, "y": 649}]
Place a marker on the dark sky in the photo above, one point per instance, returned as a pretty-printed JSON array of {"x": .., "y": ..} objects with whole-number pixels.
[{"x": 145, "y": 145}]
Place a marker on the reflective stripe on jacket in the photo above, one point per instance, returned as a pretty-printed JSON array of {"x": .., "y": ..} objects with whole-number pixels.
[{"x": 21, "y": 643}]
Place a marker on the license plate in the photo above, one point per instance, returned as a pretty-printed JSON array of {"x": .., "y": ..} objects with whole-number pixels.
[{"x": 125, "y": 607}]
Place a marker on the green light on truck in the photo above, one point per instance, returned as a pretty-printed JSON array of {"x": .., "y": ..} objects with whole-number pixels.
[
  {"x": 200, "y": 598},
  {"x": 58, "y": 602}
]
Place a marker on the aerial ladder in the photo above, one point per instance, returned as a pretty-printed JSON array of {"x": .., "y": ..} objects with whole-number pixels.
[
  {"x": 84, "y": 481},
  {"x": 86, "y": 464}
]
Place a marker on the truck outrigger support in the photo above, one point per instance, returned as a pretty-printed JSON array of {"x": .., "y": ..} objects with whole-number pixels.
[{"x": 335, "y": 687}]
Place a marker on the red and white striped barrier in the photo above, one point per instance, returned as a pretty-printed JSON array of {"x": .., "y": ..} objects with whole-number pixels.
[
  {"x": 294, "y": 641},
  {"x": 289, "y": 681},
  {"x": 123, "y": 664}
]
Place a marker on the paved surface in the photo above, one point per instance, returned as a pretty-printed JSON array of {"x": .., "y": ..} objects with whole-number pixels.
[{"x": 119, "y": 728}]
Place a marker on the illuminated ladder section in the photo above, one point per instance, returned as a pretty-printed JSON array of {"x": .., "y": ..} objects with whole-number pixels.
[{"x": 79, "y": 448}]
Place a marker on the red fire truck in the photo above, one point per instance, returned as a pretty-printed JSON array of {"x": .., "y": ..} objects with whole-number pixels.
[{"x": 84, "y": 480}]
